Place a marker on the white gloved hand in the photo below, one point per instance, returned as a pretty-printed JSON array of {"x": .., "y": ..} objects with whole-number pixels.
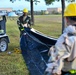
[{"x": 25, "y": 25}]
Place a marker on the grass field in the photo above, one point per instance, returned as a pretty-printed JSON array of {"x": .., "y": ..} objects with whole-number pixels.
[
  {"x": 13, "y": 64},
  {"x": 49, "y": 25}
]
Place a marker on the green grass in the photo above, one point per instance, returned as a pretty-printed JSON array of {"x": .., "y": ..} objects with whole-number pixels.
[
  {"x": 13, "y": 64},
  {"x": 13, "y": 33},
  {"x": 49, "y": 24}
]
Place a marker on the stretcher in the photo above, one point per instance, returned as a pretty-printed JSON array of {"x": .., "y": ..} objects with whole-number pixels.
[{"x": 35, "y": 46}]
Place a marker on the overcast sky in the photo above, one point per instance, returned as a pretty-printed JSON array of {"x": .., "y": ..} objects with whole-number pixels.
[{"x": 19, "y": 5}]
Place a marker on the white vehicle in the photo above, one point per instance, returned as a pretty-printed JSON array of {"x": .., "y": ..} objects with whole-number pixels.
[{"x": 4, "y": 39}]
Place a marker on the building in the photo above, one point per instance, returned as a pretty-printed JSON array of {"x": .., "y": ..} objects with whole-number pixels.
[
  {"x": 54, "y": 10},
  {"x": 6, "y": 9}
]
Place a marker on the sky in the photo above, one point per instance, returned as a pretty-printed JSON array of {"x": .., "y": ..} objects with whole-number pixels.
[{"x": 20, "y": 5}]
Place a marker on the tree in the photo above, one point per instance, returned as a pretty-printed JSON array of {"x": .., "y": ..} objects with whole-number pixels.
[
  {"x": 31, "y": 6},
  {"x": 48, "y": 2}
]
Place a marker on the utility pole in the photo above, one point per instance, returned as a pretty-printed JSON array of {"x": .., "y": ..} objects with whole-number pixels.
[
  {"x": 32, "y": 13},
  {"x": 63, "y": 21}
]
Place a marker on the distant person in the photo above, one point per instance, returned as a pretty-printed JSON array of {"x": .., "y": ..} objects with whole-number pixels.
[
  {"x": 24, "y": 21},
  {"x": 63, "y": 54}
]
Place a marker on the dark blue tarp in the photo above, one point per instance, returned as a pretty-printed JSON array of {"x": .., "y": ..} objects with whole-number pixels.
[
  {"x": 35, "y": 52},
  {"x": 35, "y": 47}
]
